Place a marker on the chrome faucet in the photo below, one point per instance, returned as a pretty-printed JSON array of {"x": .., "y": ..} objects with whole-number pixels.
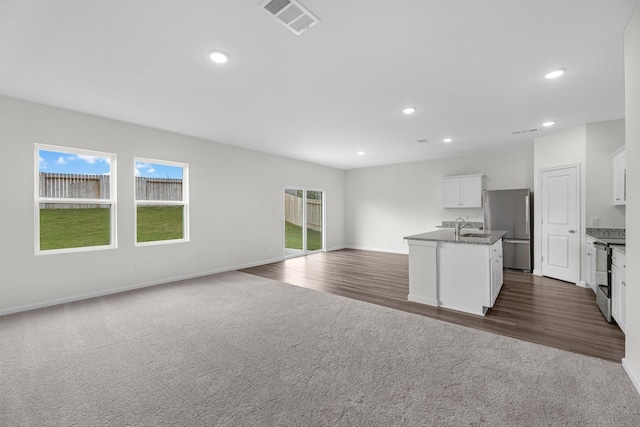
[{"x": 460, "y": 223}]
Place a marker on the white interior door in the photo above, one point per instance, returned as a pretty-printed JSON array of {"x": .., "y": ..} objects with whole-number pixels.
[{"x": 561, "y": 223}]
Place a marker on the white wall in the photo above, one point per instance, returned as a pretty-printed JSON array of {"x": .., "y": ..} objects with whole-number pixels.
[
  {"x": 567, "y": 147},
  {"x": 590, "y": 146},
  {"x": 603, "y": 138},
  {"x": 237, "y": 204},
  {"x": 386, "y": 203},
  {"x": 631, "y": 362}
]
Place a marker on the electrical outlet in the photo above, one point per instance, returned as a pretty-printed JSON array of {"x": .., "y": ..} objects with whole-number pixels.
[{"x": 595, "y": 221}]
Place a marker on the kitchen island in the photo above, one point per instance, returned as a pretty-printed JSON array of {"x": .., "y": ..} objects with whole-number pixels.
[{"x": 458, "y": 272}]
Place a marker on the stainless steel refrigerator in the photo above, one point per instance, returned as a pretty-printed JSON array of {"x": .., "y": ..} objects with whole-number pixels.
[{"x": 510, "y": 211}]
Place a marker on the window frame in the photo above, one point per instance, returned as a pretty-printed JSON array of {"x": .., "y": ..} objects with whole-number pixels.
[
  {"x": 111, "y": 201},
  {"x": 184, "y": 202}
]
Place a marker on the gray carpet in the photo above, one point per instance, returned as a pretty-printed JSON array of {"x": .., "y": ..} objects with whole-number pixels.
[{"x": 236, "y": 349}]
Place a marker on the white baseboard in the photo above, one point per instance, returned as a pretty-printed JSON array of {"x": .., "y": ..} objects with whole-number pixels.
[
  {"x": 80, "y": 297},
  {"x": 583, "y": 284},
  {"x": 536, "y": 273},
  {"x": 423, "y": 300},
  {"x": 631, "y": 373},
  {"x": 391, "y": 251}
]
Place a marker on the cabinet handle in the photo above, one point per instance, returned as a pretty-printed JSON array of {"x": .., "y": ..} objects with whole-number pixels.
[{"x": 624, "y": 283}]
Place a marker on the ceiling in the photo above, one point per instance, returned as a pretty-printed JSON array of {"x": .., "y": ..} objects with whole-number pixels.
[{"x": 473, "y": 69}]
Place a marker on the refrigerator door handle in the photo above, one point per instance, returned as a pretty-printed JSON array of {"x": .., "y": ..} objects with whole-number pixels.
[{"x": 526, "y": 215}]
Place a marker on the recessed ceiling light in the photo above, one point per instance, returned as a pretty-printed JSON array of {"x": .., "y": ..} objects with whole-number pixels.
[
  {"x": 218, "y": 57},
  {"x": 555, "y": 73},
  {"x": 360, "y": 153},
  {"x": 409, "y": 110},
  {"x": 447, "y": 139},
  {"x": 547, "y": 124}
]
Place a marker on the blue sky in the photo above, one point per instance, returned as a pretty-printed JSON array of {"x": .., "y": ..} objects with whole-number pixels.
[
  {"x": 59, "y": 162},
  {"x": 156, "y": 170}
]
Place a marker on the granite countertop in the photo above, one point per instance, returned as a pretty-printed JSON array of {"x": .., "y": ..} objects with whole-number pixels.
[
  {"x": 606, "y": 233},
  {"x": 447, "y": 235}
]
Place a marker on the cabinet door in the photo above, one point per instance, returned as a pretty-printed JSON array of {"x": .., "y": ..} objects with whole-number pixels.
[
  {"x": 619, "y": 289},
  {"x": 623, "y": 301},
  {"x": 591, "y": 266},
  {"x": 451, "y": 192},
  {"x": 616, "y": 283},
  {"x": 620, "y": 179},
  {"x": 471, "y": 192},
  {"x": 496, "y": 270}
]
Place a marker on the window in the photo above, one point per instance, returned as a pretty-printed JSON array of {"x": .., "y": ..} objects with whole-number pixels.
[
  {"x": 161, "y": 198},
  {"x": 74, "y": 200},
  {"x": 303, "y": 221}
]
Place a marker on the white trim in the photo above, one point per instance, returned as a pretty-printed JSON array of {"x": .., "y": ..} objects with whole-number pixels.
[
  {"x": 579, "y": 231},
  {"x": 160, "y": 242},
  {"x": 387, "y": 250},
  {"x": 423, "y": 300},
  {"x": 81, "y": 297},
  {"x": 583, "y": 284},
  {"x": 631, "y": 373},
  {"x": 184, "y": 202},
  {"x": 304, "y": 251},
  {"x": 112, "y": 201}
]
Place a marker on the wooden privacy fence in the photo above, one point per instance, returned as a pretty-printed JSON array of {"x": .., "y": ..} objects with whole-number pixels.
[
  {"x": 73, "y": 186},
  {"x": 158, "y": 188},
  {"x": 293, "y": 211},
  {"x": 86, "y": 186}
]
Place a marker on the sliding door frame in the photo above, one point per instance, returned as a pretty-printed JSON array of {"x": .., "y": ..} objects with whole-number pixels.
[{"x": 305, "y": 250}]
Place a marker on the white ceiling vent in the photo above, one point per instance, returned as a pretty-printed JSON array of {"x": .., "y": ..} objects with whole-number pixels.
[
  {"x": 291, "y": 14},
  {"x": 525, "y": 131}
]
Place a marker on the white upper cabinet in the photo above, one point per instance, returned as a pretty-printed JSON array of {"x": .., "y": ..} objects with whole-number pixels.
[
  {"x": 620, "y": 177},
  {"x": 463, "y": 191}
]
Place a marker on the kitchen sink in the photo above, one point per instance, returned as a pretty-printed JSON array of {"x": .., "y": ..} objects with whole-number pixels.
[{"x": 476, "y": 235}]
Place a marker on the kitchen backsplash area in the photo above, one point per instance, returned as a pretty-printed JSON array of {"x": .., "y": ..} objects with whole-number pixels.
[
  {"x": 452, "y": 224},
  {"x": 606, "y": 233}
]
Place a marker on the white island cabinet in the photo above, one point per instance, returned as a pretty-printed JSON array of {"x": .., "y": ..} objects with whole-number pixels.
[{"x": 463, "y": 273}]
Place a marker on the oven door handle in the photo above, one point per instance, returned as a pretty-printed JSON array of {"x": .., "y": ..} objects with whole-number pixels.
[{"x": 602, "y": 245}]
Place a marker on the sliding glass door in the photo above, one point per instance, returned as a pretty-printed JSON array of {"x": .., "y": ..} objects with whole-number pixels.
[{"x": 303, "y": 221}]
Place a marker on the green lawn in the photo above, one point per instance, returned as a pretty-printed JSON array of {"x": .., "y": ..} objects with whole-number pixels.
[
  {"x": 293, "y": 237},
  {"x": 73, "y": 228},
  {"x": 159, "y": 223},
  {"x": 76, "y": 228}
]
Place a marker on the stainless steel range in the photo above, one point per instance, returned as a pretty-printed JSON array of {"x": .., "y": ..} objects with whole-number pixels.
[{"x": 603, "y": 274}]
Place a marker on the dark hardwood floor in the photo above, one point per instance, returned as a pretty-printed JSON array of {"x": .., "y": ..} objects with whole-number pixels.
[{"x": 531, "y": 308}]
